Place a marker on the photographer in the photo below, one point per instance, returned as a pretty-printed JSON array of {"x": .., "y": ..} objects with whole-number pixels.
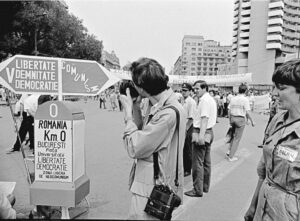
[{"x": 157, "y": 133}]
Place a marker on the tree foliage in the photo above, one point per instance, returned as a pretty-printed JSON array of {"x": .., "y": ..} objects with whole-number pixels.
[{"x": 47, "y": 26}]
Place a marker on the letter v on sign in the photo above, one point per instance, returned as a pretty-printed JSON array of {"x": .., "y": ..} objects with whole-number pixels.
[{"x": 10, "y": 74}]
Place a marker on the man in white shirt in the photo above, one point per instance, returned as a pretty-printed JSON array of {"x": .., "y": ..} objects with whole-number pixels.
[
  {"x": 189, "y": 105},
  {"x": 239, "y": 108},
  {"x": 204, "y": 120}
]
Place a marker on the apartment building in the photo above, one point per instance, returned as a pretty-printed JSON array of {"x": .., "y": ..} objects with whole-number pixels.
[
  {"x": 177, "y": 67},
  {"x": 265, "y": 34},
  {"x": 110, "y": 60},
  {"x": 201, "y": 57}
]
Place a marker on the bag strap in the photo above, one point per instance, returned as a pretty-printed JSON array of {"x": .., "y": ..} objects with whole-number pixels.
[{"x": 155, "y": 154}]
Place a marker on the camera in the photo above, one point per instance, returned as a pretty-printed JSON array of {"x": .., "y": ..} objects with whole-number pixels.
[
  {"x": 162, "y": 202},
  {"x": 128, "y": 84}
]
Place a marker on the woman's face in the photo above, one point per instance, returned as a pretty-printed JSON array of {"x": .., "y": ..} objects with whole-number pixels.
[{"x": 287, "y": 96}]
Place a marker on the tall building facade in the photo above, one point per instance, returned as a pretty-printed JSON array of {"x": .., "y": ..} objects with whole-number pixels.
[
  {"x": 110, "y": 60},
  {"x": 177, "y": 67},
  {"x": 201, "y": 57},
  {"x": 265, "y": 34}
]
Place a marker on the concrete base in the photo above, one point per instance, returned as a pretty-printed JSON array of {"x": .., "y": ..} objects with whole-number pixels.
[{"x": 59, "y": 194}]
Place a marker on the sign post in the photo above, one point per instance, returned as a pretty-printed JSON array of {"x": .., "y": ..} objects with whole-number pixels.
[
  {"x": 60, "y": 178},
  {"x": 60, "y": 175}
]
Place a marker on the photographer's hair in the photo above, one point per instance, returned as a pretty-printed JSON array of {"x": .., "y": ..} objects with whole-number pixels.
[
  {"x": 148, "y": 74},
  {"x": 289, "y": 74},
  {"x": 202, "y": 83},
  {"x": 243, "y": 88}
]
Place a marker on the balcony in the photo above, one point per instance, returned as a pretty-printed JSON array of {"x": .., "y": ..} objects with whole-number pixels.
[
  {"x": 278, "y": 4},
  {"x": 245, "y": 20},
  {"x": 273, "y": 45},
  {"x": 289, "y": 49},
  {"x": 235, "y": 20},
  {"x": 235, "y": 26},
  {"x": 245, "y": 27},
  {"x": 291, "y": 19},
  {"x": 276, "y": 29},
  {"x": 277, "y": 21},
  {"x": 245, "y": 12},
  {"x": 244, "y": 42},
  {"x": 274, "y": 38},
  {"x": 243, "y": 49},
  {"x": 292, "y": 3},
  {"x": 236, "y": 13},
  {"x": 277, "y": 13},
  {"x": 294, "y": 42},
  {"x": 233, "y": 53},
  {"x": 236, "y": 6},
  {"x": 244, "y": 34},
  {"x": 292, "y": 11},
  {"x": 234, "y": 33},
  {"x": 291, "y": 34},
  {"x": 234, "y": 46},
  {"x": 234, "y": 40},
  {"x": 246, "y": 5},
  {"x": 291, "y": 27}
]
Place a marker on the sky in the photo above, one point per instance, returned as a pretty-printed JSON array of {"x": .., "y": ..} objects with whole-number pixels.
[{"x": 153, "y": 28}]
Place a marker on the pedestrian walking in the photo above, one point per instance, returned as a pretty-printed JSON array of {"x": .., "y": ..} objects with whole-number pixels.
[
  {"x": 276, "y": 195},
  {"x": 157, "y": 134},
  {"x": 239, "y": 114},
  {"x": 189, "y": 106},
  {"x": 102, "y": 100},
  {"x": 205, "y": 119}
]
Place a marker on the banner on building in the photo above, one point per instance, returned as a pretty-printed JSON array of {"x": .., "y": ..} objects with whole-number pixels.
[{"x": 180, "y": 79}]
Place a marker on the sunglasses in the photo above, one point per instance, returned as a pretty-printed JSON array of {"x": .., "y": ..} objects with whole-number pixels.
[{"x": 184, "y": 90}]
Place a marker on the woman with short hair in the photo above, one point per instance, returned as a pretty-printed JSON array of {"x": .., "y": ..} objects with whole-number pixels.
[{"x": 277, "y": 194}]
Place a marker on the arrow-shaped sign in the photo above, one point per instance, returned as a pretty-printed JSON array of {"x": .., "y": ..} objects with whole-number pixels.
[{"x": 47, "y": 75}]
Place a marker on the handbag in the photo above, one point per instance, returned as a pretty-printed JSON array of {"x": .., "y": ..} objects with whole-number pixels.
[{"x": 163, "y": 199}]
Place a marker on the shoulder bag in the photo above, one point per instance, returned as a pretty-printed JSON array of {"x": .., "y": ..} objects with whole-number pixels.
[{"x": 163, "y": 199}]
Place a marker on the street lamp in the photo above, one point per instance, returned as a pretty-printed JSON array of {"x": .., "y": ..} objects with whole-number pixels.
[{"x": 35, "y": 52}]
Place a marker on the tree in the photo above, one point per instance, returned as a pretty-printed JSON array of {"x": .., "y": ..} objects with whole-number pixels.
[{"x": 46, "y": 28}]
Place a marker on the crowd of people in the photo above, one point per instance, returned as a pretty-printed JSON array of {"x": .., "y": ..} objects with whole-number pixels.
[
  {"x": 176, "y": 129},
  {"x": 277, "y": 193}
]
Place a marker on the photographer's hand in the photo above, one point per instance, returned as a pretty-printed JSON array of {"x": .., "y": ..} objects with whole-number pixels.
[{"x": 127, "y": 103}]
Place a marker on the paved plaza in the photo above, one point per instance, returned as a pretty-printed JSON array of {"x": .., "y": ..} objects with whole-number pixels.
[{"x": 108, "y": 166}]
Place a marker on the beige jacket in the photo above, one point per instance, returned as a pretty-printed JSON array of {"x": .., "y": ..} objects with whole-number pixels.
[{"x": 158, "y": 135}]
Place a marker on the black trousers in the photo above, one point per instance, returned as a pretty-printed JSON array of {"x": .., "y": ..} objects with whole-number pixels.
[
  {"x": 26, "y": 127},
  {"x": 187, "y": 151},
  {"x": 101, "y": 101},
  {"x": 201, "y": 167}
]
